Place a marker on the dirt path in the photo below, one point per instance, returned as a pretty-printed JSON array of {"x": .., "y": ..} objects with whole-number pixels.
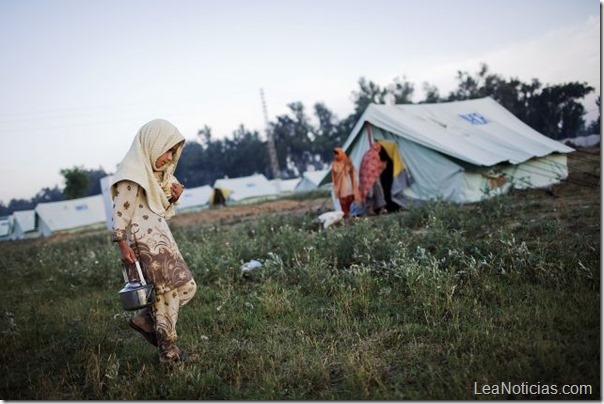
[{"x": 236, "y": 213}]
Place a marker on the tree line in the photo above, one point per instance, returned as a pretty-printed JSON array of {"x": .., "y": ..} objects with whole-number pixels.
[{"x": 302, "y": 144}]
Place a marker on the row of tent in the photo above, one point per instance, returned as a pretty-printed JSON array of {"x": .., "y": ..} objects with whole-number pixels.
[
  {"x": 95, "y": 211},
  {"x": 461, "y": 151}
]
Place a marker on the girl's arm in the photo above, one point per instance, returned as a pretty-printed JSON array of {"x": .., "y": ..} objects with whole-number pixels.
[{"x": 123, "y": 210}]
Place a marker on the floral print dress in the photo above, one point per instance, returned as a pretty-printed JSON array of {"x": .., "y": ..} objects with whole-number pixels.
[{"x": 150, "y": 237}]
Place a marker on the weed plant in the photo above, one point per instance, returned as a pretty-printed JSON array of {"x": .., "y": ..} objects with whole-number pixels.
[{"x": 427, "y": 303}]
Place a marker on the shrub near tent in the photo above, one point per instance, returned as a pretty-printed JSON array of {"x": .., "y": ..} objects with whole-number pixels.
[{"x": 463, "y": 151}]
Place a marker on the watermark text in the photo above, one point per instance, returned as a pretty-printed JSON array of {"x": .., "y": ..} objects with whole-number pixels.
[{"x": 537, "y": 389}]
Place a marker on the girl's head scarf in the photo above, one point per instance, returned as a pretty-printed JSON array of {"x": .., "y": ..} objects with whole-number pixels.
[{"x": 152, "y": 140}]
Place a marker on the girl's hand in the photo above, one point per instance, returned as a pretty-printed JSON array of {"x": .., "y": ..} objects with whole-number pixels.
[
  {"x": 127, "y": 253},
  {"x": 177, "y": 190}
]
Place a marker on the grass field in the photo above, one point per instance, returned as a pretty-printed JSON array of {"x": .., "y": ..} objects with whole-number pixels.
[{"x": 437, "y": 302}]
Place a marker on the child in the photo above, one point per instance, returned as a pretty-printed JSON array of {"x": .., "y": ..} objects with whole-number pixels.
[{"x": 144, "y": 191}]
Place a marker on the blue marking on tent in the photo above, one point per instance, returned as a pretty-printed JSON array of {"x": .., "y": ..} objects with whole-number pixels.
[
  {"x": 475, "y": 118},
  {"x": 81, "y": 207},
  {"x": 250, "y": 185}
]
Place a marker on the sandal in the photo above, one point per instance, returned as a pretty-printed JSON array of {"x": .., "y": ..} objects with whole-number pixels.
[
  {"x": 185, "y": 356},
  {"x": 182, "y": 357},
  {"x": 151, "y": 337}
]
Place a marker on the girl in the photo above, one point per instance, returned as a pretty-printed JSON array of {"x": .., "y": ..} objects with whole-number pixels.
[{"x": 144, "y": 191}]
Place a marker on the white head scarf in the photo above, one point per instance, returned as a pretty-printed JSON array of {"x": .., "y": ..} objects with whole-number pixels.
[{"x": 152, "y": 140}]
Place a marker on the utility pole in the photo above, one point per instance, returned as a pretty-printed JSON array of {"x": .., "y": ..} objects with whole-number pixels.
[{"x": 270, "y": 140}]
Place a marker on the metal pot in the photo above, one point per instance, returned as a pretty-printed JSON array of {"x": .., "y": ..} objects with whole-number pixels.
[{"x": 136, "y": 294}]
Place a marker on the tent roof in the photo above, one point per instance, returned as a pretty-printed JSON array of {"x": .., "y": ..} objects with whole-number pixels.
[
  {"x": 193, "y": 197},
  {"x": 285, "y": 186},
  {"x": 247, "y": 187},
  {"x": 5, "y": 226},
  {"x": 479, "y": 131},
  {"x": 315, "y": 177},
  {"x": 26, "y": 219},
  {"x": 63, "y": 215}
]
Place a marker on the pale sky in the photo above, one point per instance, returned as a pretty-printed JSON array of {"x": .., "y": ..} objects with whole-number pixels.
[{"x": 79, "y": 78}]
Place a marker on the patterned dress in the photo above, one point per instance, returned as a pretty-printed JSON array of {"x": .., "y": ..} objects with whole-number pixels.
[{"x": 150, "y": 237}]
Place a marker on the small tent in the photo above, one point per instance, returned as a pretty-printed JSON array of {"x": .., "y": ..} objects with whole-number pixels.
[
  {"x": 107, "y": 201},
  {"x": 310, "y": 180},
  {"x": 70, "y": 215},
  {"x": 6, "y": 223},
  {"x": 247, "y": 189},
  {"x": 218, "y": 197},
  {"x": 285, "y": 186},
  {"x": 24, "y": 225},
  {"x": 582, "y": 141},
  {"x": 462, "y": 151},
  {"x": 193, "y": 199}
]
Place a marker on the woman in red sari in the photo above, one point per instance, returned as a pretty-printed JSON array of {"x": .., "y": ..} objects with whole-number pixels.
[{"x": 344, "y": 180}]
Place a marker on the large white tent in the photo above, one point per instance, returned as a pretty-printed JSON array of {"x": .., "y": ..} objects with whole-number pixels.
[
  {"x": 247, "y": 189},
  {"x": 463, "y": 151},
  {"x": 73, "y": 214}
]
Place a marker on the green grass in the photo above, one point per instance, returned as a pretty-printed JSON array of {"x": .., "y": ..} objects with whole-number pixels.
[{"x": 416, "y": 305}]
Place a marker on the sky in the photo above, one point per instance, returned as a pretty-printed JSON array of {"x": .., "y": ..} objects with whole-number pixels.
[{"x": 79, "y": 78}]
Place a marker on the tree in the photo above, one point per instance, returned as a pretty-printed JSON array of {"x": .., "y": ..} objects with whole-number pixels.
[
  {"x": 368, "y": 93},
  {"x": 556, "y": 111},
  {"x": 246, "y": 154},
  {"x": 94, "y": 181},
  {"x": 76, "y": 182},
  {"x": 432, "y": 94},
  {"x": 328, "y": 135},
  {"x": 47, "y": 195},
  {"x": 594, "y": 127},
  {"x": 401, "y": 91},
  {"x": 190, "y": 169},
  {"x": 293, "y": 139},
  {"x": 205, "y": 135}
]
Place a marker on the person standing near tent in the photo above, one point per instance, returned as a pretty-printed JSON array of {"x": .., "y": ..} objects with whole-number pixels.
[
  {"x": 144, "y": 191},
  {"x": 372, "y": 192},
  {"x": 343, "y": 177}
]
